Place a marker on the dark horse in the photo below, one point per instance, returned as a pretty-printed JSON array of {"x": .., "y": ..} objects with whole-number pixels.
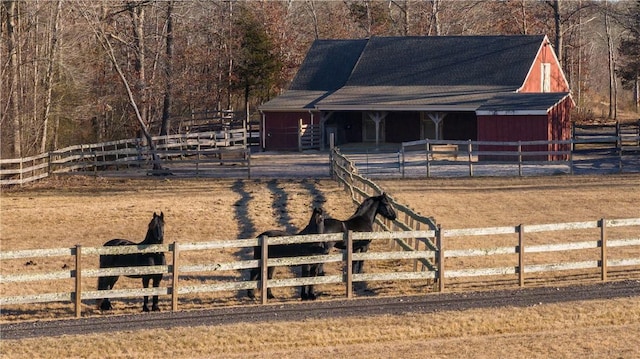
[
  {"x": 315, "y": 226},
  {"x": 155, "y": 235},
  {"x": 361, "y": 221}
]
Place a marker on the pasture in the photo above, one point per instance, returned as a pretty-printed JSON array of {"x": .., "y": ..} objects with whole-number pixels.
[{"x": 73, "y": 210}]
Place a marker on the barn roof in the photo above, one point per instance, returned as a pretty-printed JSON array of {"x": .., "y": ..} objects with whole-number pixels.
[
  {"x": 456, "y": 73},
  {"x": 521, "y": 104},
  {"x": 446, "y": 61},
  {"x": 328, "y": 65}
]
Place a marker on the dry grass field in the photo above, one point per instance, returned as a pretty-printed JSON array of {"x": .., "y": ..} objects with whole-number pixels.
[{"x": 88, "y": 211}]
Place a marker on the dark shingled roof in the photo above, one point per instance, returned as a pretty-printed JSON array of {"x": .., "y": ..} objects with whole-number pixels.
[
  {"x": 446, "y": 61},
  {"x": 522, "y": 102},
  {"x": 328, "y": 65},
  {"x": 410, "y": 98},
  {"x": 411, "y": 73}
]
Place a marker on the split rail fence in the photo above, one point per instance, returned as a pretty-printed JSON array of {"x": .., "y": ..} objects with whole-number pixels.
[
  {"x": 521, "y": 155},
  {"x": 450, "y": 158},
  {"x": 517, "y": 271},
  {"x": 196, "y": 154},
  {"x": 429, "y": 252}
]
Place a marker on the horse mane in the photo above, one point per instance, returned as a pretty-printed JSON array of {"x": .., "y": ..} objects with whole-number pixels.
[
  {"x": 365, "y": 206},
  {"x": 312, "y": 226}
]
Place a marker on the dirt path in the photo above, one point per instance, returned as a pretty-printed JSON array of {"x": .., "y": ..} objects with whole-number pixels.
[{"x": 324, "y": 309}]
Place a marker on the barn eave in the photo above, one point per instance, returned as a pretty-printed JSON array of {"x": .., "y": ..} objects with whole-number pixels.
[{"x": 512, "y": 113}]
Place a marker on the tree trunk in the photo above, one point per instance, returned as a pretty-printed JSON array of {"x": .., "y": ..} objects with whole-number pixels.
[
  {"x": 314, "y": 17},
  {"x": 524, "y": 17},
  {"x": 12, "y": 49},
  {"x": 636, "y": 92},
  {"x": 53, "y": 50},
  {"x": 106, "y": 44},
  {"x": 137, "y": 15},
  {"x": 612, "y": 76},
  {"x": 434, "y": 23},
  {"x": 555, "y": 4},
  {"x": 166, "y": 105}
]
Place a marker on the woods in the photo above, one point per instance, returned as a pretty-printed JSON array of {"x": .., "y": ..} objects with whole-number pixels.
[{"x": 84, "y": 71}]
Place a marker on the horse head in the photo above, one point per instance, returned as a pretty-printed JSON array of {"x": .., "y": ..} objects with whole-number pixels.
[
  {"x": 155, "y": 233},
  {"x": 385, "y": 208},
  {"x": 317, "y": 221}
]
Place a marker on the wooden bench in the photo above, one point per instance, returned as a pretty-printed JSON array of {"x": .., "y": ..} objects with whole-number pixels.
[{"x": 444, "y": 152}]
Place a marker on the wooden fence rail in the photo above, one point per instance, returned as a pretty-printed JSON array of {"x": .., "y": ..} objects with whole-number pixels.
[
  {"x": 194, "y": 153},
  {"x": 428, "y": 153},
  {"x": 518, "y": 270}
]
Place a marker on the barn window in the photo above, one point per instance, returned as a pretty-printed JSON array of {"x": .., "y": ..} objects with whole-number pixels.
[{"x": 546, "y": 77}]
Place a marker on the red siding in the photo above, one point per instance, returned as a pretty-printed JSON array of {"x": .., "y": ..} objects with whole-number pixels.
[
  {"x": 533, "y": 83},
  {"x": 512, "y": 129},
  {"x": 281, "y": 129},
  {"x": 556, "y": 125},
  {"x": 560, "y": 126}
]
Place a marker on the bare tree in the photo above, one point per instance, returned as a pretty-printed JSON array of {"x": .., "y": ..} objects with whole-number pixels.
[
  {"x": 166, "y": 105},
  {"x": 404, "y": 12},
  {"x": 311, "y": 7},
  {"x": 613, "y": 89},
  {"x": 555, "y": 5},
  {"x": 103, "y": 37},
  {"x": 14, "y": 99},
  {"x": 434, "y": 24},
  {"x": 53, "y": 50}
]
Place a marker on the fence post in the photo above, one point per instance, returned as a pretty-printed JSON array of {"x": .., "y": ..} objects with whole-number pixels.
[
  {"x": 348, "y": 239},
  {"x": 428, "y": 149},
  {"x": 264, "y": 245},
  {"x": 620, "y": 155},
  {"x": 300, "y": 135},
  {"x": 248, "y": 154},
  {"x": 416, "y": 245},
  {"x": 402, "y": 162},
  {"x": 174, "y": 278},
  {"x": 603, "y": 249},
  {"x": 21, "y": 176},
  {"x": 198, "y": 157},
  {"x": 519, "y": 159},
  {"x": 469, "y": 150},
  {"x": 572, "y": 148},
  {"x": 95, "y": 165},
  {"x": 78, "y": 285},
  {"x": 332, "y": 159},
  {"x": 440, "y": 266},
  {"x": 520, "y": 229}
]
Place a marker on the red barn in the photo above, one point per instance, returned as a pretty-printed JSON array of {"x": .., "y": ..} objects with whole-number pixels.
[{"x": 396, "y": 89}]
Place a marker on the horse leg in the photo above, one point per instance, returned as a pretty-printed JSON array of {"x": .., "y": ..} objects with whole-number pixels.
[
  {"x": 313, "y": 270},
  {"x": 156, "y": 284},
  {"x": 359, "y": 265},
  {"x": 319, "y": 269},
  {"x": 106, "y": 283},
  {"x": 255, "y": 275},
  {"x": 304, "y": 290},
  {"x": 145, "y": 283},
  {"x": 270, "y": 271}
]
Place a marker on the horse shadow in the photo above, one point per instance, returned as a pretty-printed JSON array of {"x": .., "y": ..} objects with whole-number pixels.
[
  {"x": 279, "y": 206},
  {"x": 241, "y": 208}
]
